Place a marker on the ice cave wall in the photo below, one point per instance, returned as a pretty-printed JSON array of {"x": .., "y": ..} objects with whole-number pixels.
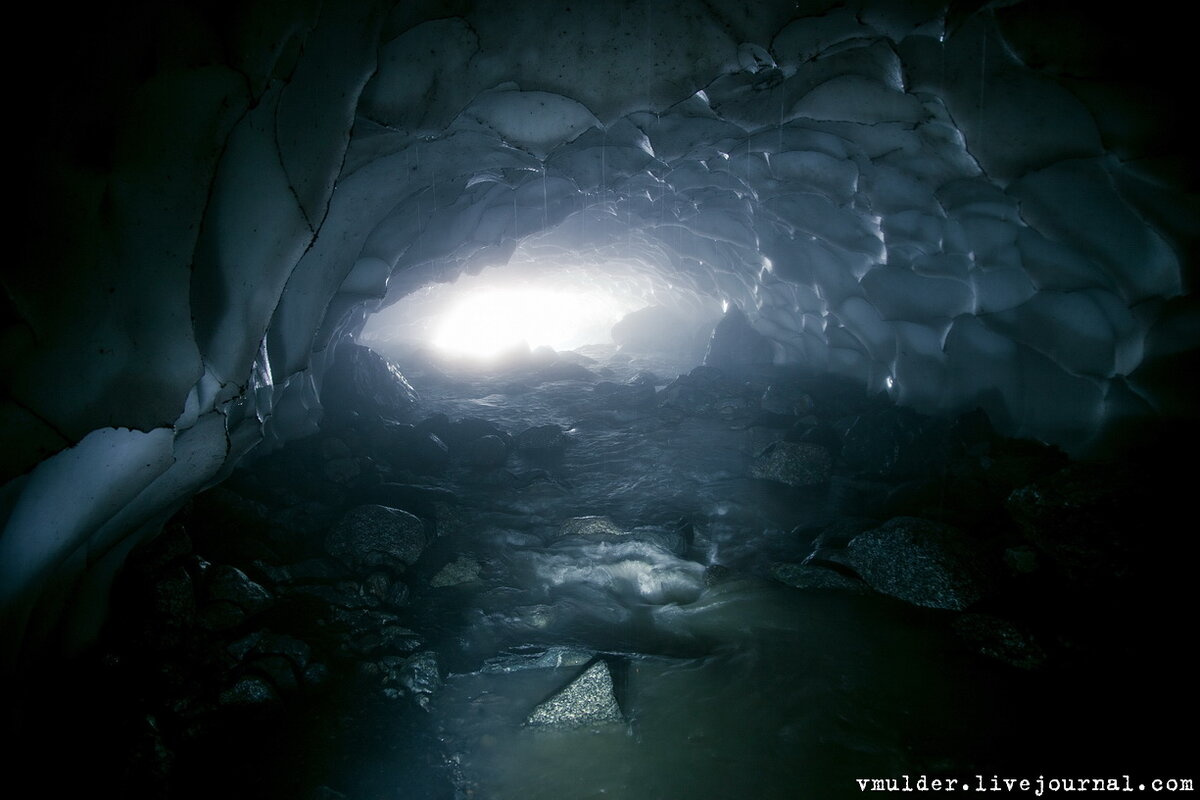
[{"x": 967, "y": 204}]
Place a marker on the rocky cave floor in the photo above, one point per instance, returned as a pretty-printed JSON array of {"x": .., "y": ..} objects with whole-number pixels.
[{"x": 772, "y": 583}]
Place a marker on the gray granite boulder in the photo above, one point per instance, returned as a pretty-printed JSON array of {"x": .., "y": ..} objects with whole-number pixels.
[
  {"x": 376, "y": 536},
  {"x": 587, "y": 700}
]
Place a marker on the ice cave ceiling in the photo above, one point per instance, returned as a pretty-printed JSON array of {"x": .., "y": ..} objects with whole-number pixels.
[{"x": 977, "y": 204}]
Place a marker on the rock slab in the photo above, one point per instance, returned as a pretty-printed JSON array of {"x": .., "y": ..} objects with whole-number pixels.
[{"x": 587, "y": 700}]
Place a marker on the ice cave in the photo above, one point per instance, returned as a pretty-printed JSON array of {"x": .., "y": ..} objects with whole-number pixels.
[{"x": 455, "y": 399}]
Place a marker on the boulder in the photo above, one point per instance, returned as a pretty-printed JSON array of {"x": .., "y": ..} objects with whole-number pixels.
[
  {"x": 590, "y": 526},
  {"x": 922, "y": 562},
  {"x": 588, "y": 700},
  {"x": 459, "y": 571},
  {"x": 793, "y": 464},
  {"x": 376, "y": 536},
  {"x": 230, "y": 598},
  {"x": 365, "y": 383},
  {"x": 735, "y": 344},
  {"x": 786, "y": 399},
  {"x": 708, "y": 392}
]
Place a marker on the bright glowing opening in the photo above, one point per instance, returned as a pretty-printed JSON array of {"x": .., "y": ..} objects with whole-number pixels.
[{"x": 487, "y": 322}]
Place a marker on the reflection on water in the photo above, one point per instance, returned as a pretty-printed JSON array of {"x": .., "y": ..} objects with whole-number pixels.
[
  {"x": 732, "y": 686},
  {"x": 787, "y": 695}
]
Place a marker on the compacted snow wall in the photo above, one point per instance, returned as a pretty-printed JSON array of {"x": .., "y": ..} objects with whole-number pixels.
[{"x": 966, "y": 207}]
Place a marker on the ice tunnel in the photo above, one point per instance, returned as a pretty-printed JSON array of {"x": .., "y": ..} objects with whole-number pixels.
[{"x": 960, "y": 206}]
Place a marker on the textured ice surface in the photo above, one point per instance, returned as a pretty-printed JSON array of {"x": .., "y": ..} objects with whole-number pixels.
[{"x": 938, "y": 200}]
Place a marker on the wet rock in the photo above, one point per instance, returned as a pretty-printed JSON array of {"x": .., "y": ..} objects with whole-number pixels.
[
  {"x": 173, "y": 597},
  {"x": 279, "y": 670},
  {"x": 249, "y": 690},
  {"x": 376, "y": 536},
  {"x": 644, "y": 378},
  {"x": 793, "y": 464},
  {"x": 895, "y": 443},
  {"x": 341, "y": 470},
  {"x": 363, "y": 382},
  {"x": 231, "y": 598},
  {"x": 417, "y": 499},
  {"x": 551, "y": 658},
  {"x": 538, "y": 616},
  {"x": 1085, "y": 517},
  {"x": 425, "y": 453},
  {"x": 461, "y": 570},
  {"x": 387, "y": 639},
  {"x": 377, "y": 585},
  {"x": 716, "y": 573},
  {"x": 354, "y": 621},
  {"x": 786, "y": 400},
  {"x": 587, "y": 700},
  {"x": 811, "y": 576},
  {"x": 486, "y": 451},
  {"x": 397, "y": 595},
  {"x": 1001, "y": 639},
  {"x": 420, "y": 676},
  {"x": 921, "y": 562},
  {"x": 709, "y": 392},
  {"x": 590, "y": 526},
  {"x": 541, "y": 439},
  {"x": 735, "y": 344}
]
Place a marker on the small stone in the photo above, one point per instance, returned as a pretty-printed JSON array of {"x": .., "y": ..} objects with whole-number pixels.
[{"x": 587, "y": 700}]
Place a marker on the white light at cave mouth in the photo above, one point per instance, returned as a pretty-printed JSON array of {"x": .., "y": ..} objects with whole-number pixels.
[{"x": 489, "y": 322}]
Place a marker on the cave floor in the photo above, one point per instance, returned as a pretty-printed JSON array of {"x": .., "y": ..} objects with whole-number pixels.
[{"x": 730, "y": 682}]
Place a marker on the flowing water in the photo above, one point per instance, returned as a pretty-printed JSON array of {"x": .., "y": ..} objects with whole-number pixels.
[{"x": 731, "y": 685}]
